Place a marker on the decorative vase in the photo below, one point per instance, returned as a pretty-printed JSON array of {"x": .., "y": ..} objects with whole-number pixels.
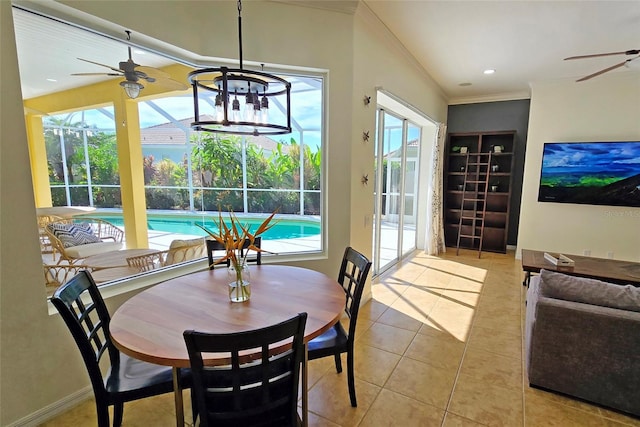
[{"x": 240, "y": 285}]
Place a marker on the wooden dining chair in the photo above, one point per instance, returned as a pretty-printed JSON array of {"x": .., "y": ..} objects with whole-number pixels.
[
  {"x": 352, "y": 277},
  {"x": 216, "y": 250},
  {"x": 83, "y": 310},
  {"x": 249, "y": 391}
]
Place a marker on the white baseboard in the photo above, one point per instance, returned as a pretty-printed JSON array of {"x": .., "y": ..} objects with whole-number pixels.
[{"x": 45, "y": 414}]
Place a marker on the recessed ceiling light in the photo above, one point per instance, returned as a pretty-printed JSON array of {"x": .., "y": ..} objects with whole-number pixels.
[
  {"x": 52, "y": 80},
  {"x": 464, "y": 84},
  {"x": 489, "y": 71}
]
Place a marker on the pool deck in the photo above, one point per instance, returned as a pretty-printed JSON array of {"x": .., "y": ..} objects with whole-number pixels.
[{"x": 162, "y": 239}]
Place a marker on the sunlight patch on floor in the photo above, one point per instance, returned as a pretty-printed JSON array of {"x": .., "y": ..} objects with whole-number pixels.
[{"x": 441, "y": 294}]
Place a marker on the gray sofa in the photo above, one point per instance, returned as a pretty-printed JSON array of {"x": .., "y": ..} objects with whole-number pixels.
[{"x": 582, "y": 338}]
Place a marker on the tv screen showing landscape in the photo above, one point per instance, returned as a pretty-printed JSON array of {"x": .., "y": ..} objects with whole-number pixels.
[{"x": 594, "y": 173}]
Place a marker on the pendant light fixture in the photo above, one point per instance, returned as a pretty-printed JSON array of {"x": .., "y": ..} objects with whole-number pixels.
[
  {"x": 131, "y": 88},
  {"x": 242, "y": 99}
]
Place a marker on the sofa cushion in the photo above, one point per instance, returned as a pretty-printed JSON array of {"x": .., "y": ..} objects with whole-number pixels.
[
  {"x": 83, "y": 251},
  {"x": 174, "y": 256},
  {"x": 73, "y": 234},
  {"x": 589, "y": 291}
]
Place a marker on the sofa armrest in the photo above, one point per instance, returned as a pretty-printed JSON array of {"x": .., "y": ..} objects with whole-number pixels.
[{"x": 587, "y": 351}]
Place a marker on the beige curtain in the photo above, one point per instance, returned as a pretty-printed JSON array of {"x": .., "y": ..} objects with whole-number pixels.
[{"x": 435, "y": 227}]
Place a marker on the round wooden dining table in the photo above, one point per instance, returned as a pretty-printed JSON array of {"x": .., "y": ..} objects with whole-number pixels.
[{"x": 149, "y": 326}]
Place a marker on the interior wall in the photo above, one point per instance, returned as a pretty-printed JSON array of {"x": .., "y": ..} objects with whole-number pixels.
[
  {"x": 380, "y": 62},
  {"x": 24, "y": 344},
  {"x": 498, "y": 116},
  {"x": 606, "y": 108}
]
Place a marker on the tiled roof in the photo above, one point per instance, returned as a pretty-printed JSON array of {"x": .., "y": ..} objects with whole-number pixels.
[{"x": 169, "y": 133}]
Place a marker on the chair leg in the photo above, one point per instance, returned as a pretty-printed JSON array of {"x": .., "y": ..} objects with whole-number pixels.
[
  {"x": 194, "y": 408},
  {"x": 351, "y": 379},
  {"x": 103, "y": 415},
  {"x": 338, "y": 362},
  {"x": 118, "y": 411}
]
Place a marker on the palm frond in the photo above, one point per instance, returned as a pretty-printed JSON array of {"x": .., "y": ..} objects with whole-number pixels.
[{"x": 235, "y": 235}]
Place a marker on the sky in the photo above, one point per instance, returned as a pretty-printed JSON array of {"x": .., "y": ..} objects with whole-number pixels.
[{"x": 592, "y": 156}]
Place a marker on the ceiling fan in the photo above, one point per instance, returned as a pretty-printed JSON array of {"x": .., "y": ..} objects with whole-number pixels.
[
  {"x": 613, "y": 67},
  {"x": 133, "y": 72}
]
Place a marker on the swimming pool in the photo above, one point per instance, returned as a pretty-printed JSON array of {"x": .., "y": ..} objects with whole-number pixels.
[{"x": 186, "y": 224}]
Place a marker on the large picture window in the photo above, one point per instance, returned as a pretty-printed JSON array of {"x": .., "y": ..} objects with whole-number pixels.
[{"x": 190, "y": 176}]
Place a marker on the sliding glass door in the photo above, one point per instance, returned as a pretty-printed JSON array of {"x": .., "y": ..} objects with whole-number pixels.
[{"x": 396, "y": 189}]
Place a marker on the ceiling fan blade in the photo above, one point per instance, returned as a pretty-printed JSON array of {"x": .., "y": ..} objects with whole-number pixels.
[
  {"x": 171, "y": 84},
  {"x": 152, "y": 72},
  {"x": 102, "y": 65},
  {"x": 595, "y": 55},
  {"x": 97, "y": 74},
  {"x": 613, "y": 67}
]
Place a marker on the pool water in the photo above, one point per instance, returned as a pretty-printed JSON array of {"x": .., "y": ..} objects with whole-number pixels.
[{"x": 284, "y": 228}]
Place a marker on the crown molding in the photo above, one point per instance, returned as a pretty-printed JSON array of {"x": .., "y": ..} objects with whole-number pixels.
[
  {"x": 511, "y": 96},
  {"x": 345, "y": 6}
]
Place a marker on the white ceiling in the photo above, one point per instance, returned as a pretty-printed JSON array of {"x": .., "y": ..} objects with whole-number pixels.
[
  {"x": 48, "y": 50},
  {"x": 454, "y": 41},
  {"x": 524, "y": 41}
]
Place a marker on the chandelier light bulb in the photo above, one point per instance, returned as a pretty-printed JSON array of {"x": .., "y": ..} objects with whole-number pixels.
[
  {"x": 248, "y": 113},
  {"x": 256, "y": 102},
  {"x": 235, "y": 109}
]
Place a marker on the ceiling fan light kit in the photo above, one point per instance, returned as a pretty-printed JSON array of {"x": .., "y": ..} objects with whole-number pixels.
[
  {"x": 132, "y": 89},
  {"x": 227, "y": 88},
  {"x": 133, "y": 72}
]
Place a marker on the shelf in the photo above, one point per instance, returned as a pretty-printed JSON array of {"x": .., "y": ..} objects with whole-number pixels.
[{"x": 486, "y": 213}]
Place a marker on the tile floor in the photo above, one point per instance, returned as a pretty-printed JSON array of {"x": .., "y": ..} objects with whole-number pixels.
[{"x": 440, "y": 344}]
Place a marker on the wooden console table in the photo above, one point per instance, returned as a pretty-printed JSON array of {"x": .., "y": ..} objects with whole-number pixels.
[{"x": 608, "y": 270}]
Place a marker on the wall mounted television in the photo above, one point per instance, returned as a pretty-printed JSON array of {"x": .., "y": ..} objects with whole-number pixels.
[{"x": 594, "y": 173}]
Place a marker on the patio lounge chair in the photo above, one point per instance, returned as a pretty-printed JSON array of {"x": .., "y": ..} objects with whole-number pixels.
[
  {"x": 45, "y": 243},
  {"x": 179, "y": 251},
  {"x": 79, "y": 238},
  {"x": 59, "y": 274}
]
